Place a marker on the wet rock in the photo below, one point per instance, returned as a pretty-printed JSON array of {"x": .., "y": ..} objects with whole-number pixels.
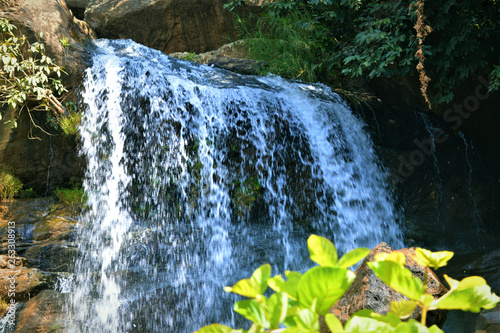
[
  {"x": 44, "y": 233},
  {"x": 42, "y": 313},
  {"x": 369, "y": 292},
  {"x": 22, "y": 283},
  {"x": 242, "y": 66},
  {"x": 488, "y": 321},
  {"x": 166, "y": 25}
]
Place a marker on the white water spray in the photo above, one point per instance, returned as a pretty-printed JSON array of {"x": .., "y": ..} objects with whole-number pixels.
[{"x": 196, "y": 176}]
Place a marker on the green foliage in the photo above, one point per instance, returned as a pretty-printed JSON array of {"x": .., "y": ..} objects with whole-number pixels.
[
  {"x": 69, "y": 124},
  {"x": 28, "y": 194},
  {"x": 292, "y": 45},
  {"x": 10, "y": 185},
  {"x": 74, "y": 197},
  {"x": 298, "y": 302},
  {"x": 245, "y": 194},
  {"x": 28, "y": 78},
  {"x": 317, "y": 39}
]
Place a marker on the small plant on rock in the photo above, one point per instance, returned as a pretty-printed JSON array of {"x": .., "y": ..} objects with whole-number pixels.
[{"x": 298, "y": 302}]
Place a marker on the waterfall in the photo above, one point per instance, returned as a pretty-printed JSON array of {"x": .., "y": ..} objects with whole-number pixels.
[{"x": 196, "y": 176}]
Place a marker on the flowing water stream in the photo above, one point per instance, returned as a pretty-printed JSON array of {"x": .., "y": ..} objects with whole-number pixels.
[{"x": 196, "y": 176}]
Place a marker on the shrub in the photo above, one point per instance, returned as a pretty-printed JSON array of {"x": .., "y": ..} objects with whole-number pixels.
[
  {"x": 28, "y": 78},
  {"x": 74, "y": 197},
  {"x": 69, "y": 125},
  {"x": 10, "y": 185}
]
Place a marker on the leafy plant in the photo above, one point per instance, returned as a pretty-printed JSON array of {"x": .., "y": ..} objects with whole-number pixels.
[
  {"x": 291, "y": 44},
  {"x": 299, "y": 301},
  {"x": 10, "y": 185},
  {"x": 381, "y": 38},
  {"x": 74, "y": 197},
  {"x": 28, "y": 78},
  {"x": 69, "y": 124}
]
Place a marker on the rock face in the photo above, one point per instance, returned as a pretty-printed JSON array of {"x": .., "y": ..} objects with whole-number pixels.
[
  {"x": 52, "y": 161},
  {"x": 488, "y": 321},
  {"x": 44, "y": 234},
  {"x": 229, "y": 56},
  {"x": 369, "y": 292},
  {"x": 165, "y": 25},
  {"x": 42, "y": 313}
]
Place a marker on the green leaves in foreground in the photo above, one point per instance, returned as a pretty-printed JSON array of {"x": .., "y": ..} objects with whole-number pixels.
[
  {"x": 299, "y": 300},
  {"x": 321, "y": 287},
  {"x": 255, "y": 285},
  {"x": 470, "y": 294},
  {"x": 324, "y": 253},
  {"x": 430, "y": 259},
  {"x": 398, "y": 278}
]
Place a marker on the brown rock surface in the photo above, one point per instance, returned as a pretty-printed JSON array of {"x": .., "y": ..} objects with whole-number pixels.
[
  {"x": 165, "y": 25},
  {"x": 42, "y": 313},
  {"x": 52, "y": 161},
  {"x": 44, "y": 233},
  {"x": 369, "y": 292}
]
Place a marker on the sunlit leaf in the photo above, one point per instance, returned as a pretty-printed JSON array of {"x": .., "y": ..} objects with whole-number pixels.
[
  {"x": 432, "y": 259},
  {"x": 215, "y": 328},
  {"x": 323, "y": 286},
  {"x": 468, "y": 298},
  {"x": 322, "y": 251},
  {"x": 253, "y": 311},
  {"x": 352, "y": 257},
  {"x": 277, "y": 309},
  {"x": 357, "y": 324},
  {"x": 398, "y": 278},
  {"x": 396, "y": 257},
  {"x": 305, "y": 321},
  {"x": 426, "y": 300},
  {"x": 413, "y": 326},
  {"x": 289, "y": 286},
  {"x": 333, "y": 323},
  {"x": 255, "y": 285},
  {"x": 403, "y": 308}
]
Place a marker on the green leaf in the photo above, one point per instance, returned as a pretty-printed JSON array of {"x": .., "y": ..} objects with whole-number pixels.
[
  {"x": 427, "y": 258},
  {"x": 396, "y": 257},
  {"x": 255, "y": 285},
  {"x": 305, "y": 321},
  {"x": 215, "y": 328},
  {"x": 289, "y": 286},
  {"x": 321, "y": 287},
  {"x": 470, "y": 295},
  {"x": 403, "y": 308},
  {"x": 277, "y": 306},
  {"x": 357, "y": 324},
  {"x": 322, "y": 251},
  {"x": 333, "y": 323},
  {"x": 398, "y": 278},
  {"x": 426, "y": 300},
  {"x": 253, "y": 311},
  {"x": 413, "y": 326},
  {"x": 352, "y": 257}
]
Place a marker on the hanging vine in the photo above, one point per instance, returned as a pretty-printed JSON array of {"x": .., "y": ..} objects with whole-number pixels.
[{"x": 422, "y": 31}]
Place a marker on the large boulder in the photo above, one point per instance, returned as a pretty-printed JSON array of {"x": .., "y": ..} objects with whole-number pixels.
[
  {"x": 44, "y": 234},
  {"x": 51, "y": 161},
  {"x": 21, "y": 283},
  {"x": 165, "y": 25},
  {"x": 43, "y": 313},
  {"x": 369, "y": 292}
]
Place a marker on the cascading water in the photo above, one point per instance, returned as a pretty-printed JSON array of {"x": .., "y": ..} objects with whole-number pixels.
[{"x": 196, "y": 176}]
